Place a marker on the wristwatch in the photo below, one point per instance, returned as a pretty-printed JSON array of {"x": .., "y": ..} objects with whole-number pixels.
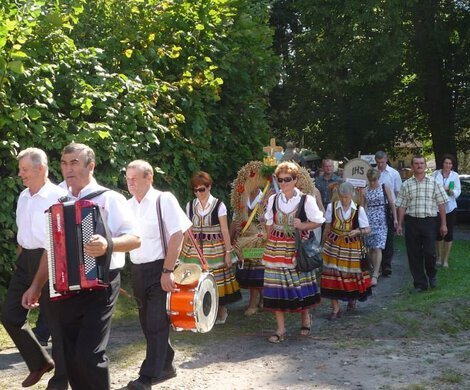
[{"x": 167, "y": 271}]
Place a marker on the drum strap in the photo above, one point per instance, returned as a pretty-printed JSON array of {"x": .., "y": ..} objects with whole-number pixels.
[
  {"x": 161, "y": 227},
  {"x": 202, "y": 259}
]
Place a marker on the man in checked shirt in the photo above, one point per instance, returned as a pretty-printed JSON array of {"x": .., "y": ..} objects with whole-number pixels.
[{"x": 416, "y": 205}]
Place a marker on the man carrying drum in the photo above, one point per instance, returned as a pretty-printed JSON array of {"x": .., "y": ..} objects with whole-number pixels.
[{"x": 152, "y": 269}]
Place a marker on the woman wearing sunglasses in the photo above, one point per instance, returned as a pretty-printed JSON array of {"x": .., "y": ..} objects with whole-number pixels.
[
  {"x": 210, "y": 228},
  {"x": 285, "y": 288}
]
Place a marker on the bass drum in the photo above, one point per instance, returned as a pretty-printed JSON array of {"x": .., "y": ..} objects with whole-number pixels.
[{"x": 194, "y": 306}]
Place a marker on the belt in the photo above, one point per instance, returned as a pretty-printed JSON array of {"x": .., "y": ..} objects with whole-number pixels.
[
  {"x": 148, "y": 264},
  {"x": 420, "y": 218},
  {"x": 32, "y": 251}
]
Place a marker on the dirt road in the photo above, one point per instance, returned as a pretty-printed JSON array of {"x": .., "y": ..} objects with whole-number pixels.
[{"x": 360, "y": 351}]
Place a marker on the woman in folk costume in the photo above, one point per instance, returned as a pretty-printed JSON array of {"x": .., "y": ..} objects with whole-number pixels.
[
  {"x": 250, "y": 275},
  {"x": 342, "y": 277},
  {"x": 249, "y": 201},
  {"x": 210, "y": 228},
  {"x": 285, "y": 288}
]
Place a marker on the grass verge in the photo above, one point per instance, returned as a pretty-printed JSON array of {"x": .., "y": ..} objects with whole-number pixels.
[{"x": 444, "y": 310}]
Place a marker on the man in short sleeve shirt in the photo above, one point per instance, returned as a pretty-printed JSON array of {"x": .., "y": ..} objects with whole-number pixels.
[
  {"x": 39, "y": 195},
  {"x": 85, "y": 317},
  {"x": 416, "y": 205},
  {"x": 152, "y": 269}
]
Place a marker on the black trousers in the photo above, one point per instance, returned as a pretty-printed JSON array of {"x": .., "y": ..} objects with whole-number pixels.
[
  {"x": 420, "y": 238},
  {"x": 14, "y": 319},
  {"x": 153, "y": 318},
  {"x": 85, "y": 324},
  {"x": 388, "y": 251}
]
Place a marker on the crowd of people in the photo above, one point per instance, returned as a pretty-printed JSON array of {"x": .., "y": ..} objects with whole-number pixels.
[{"x": 156, "y": 232}]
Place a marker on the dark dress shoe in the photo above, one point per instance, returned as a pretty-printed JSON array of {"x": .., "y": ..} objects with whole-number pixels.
[
  {"x": 167, "y": 374},
  {"x": 142, "y": 383},
  {"x": 433, "y": 283},
  {"x": 35, "y": 376},
  {"x": 420, "y": 289}
]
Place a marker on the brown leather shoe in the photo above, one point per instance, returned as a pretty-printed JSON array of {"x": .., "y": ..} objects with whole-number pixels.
[{"x": 35, "y": 376}]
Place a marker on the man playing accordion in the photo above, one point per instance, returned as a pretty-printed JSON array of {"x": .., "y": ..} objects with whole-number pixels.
[{"x": 85, "y": 317}]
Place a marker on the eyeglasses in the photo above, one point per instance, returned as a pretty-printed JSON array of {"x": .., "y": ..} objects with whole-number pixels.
[
  {"x": 287, "y": 179},
  {"x": 200, "y": 189}
]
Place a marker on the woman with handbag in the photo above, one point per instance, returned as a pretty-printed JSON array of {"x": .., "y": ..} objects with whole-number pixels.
[
  {"x": 377, "y": 197},
  {"x": 342, "y": 275},
  {"x": 287, "y": 289},
  {"x": 210, "y": 228}
]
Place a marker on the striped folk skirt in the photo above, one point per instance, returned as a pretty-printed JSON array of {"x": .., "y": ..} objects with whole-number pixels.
[
  {"x": 214, "y": 252},
  {"x": 288, "y": 290},
  {"x": 342, "y": 277},
  {"x": 227, "y": 285},
  {"x": 251, "y": 275}
]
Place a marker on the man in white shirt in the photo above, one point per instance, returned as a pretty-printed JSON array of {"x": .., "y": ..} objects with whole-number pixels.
[
  {"x": 391, "y": 178},
  {"x": 39, "y": 195},
  {"x": 152, "y": 269},
  {"x": 85, "y": 318}
]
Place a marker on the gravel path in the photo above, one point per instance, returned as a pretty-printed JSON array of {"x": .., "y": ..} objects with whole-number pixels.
[{"x": 352, "y": 353}]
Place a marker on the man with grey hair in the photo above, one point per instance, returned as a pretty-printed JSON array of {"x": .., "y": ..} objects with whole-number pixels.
[
  {"x": 39, "y": 195},
  {"x": 152, "y": 269},
  {"x": 391, "y": 178},
  {"x": 85, "y": 318}
]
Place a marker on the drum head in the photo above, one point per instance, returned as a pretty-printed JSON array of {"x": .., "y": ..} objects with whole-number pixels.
[
  {"x": 187, "y": 273},
  {"x": 206, "y": 303}
]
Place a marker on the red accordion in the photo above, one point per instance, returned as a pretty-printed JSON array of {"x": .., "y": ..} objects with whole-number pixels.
[{"x": 71, "y": 224}]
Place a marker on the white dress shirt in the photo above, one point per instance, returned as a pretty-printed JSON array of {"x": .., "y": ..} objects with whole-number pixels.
[
  {"x": 31, "y": 217},
  {"x": 147, "y": 224},
  {"x": 391, "y": 178},
  {"x": 116, "y": 213}
]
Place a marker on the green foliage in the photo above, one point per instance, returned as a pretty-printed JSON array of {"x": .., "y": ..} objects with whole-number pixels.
[
  {"x": 181, "y": 84},
  {"x": 342, "y": 66},
  {"x": 360, "y": 76}
]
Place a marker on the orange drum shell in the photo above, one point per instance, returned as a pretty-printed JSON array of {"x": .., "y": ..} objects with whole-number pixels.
[{"x": 182, "y": 307}]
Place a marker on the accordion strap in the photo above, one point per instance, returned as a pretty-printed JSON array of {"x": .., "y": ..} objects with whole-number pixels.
[
  {"x": 109, "y": 251},
  {"x": 107, "y": 235},
  {"x": 91, "y": 195}
]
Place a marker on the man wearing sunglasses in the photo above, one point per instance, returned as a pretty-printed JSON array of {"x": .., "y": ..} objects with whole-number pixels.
[{"x": 152, "y": 269}]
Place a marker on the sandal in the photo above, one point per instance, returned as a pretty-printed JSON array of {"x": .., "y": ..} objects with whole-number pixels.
[
  {"x": 223, "y": 319},
  {"x": 277, "y": 338},
  {"x": 351, "y": 306},
  {"x": 373, "y": 281},
  {"x": 305, "y": 331},
  {"x": 250, "y": 311}
]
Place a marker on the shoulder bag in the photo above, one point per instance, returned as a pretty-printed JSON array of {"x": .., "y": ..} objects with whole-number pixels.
[{"x": 308, "y": 251}]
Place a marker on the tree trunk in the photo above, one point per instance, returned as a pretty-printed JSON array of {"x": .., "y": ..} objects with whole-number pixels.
[{"x": 430, "y": 46}]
